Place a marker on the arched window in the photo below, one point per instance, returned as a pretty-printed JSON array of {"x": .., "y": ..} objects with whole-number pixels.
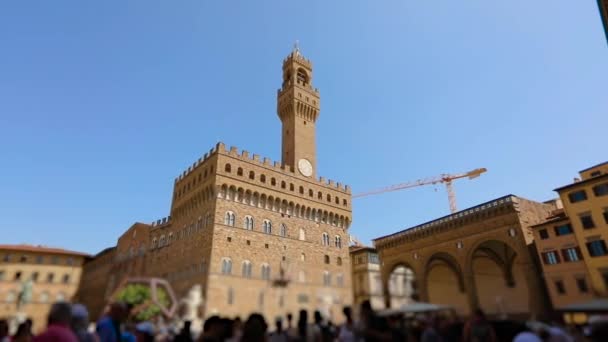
[
  {"x": 339, "y": 261},
  {"x": 227, "y": 168},
  {"x": 161, "y": 242},
  {"x": 251, "y": 175},
  {"x": 50, "y": 277},
  {"x": 208, "y": 220},
  {"x": 328, "y": 198},
  {"x": 66, "y": 279},
  {"x": 199, "y": 224},
  {"x": 229, "y": 218},
  {"x": 291, "y": 187},
  {"x": 325, "y": 239},
  {"x": 283, "y": 231},
  {"x": 338, "y": 241},
  {"x": 326, "y": 278},
  {"x": 302, "y": 235},
  {"x": 267, "y": 227},
  {"x": 301, "y": 190},
  {"x": 263, "y": 178},
  {"x": 239, "y": 171},
  {"x": 326, "y": 259},
  {"x": 273, "y": 181},
  {"x": 248, "y": 222},
  {"x": 302, "y": 277},
  {"x": 340, "y": 280},
  {"x": 303, "y": 257},
  {"x": 265, "y": 271},
  {"x": 246, "y": 271},
  {"x": 154, "y": 243},
  {"x": 226, "y": 266},
  {"x": 310, "y": 192},
  {"x": 283, "y": 185},
  {"x": 337, "y": 200},
  {"x": 319, "y": 195},
  {"x": 302, "y": 77}
]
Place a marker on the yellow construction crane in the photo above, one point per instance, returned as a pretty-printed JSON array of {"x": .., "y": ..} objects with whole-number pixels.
[{"x": 444, "y": 178}]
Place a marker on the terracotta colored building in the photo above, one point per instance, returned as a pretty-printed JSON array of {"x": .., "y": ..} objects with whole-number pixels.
[
  {"x": 256, "y": 235},
  {"x": 586, "y": 205},
  {"x": 564, "y": 269},
  {"x": 95, "y": 281},
  {"x": 54, "y": 274},
  {"x": 481, "y": 257}
]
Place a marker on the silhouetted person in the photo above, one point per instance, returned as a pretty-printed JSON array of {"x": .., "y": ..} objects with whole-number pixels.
[
  {"x": 4, "y": 331},
  {"x": 23, "y": 333},
  {"x": 185, "y": 335},
  {"x": 347, "y": 330},
  {"x": 478, "y": 329},
  {"x": 212, "y": 330},
  {"x": 80, "y": 324},
  {"x": 108, "y": 327},
  {"x": 373, "y": 328},
  {"x": 58, "y": 328},
  {"x": 279, "y": 335},
  {"x": 254, "y": 329}
]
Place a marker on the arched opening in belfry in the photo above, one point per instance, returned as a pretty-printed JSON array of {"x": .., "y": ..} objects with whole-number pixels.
[
  {"x": 302, "y": 76},
  {"x": 499, "y": 278},
  {"x": 402, "y": 287},
  {"x": 445, "y": 283}
]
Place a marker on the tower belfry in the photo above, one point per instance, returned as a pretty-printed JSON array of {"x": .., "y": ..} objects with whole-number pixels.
[{"x": 298, "y": 105}]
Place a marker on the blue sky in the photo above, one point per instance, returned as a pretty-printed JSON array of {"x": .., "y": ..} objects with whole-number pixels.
[{"x": 103, "y": 103}]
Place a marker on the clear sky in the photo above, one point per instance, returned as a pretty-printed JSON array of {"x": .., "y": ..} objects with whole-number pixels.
[{"x": 104, "y": 103}]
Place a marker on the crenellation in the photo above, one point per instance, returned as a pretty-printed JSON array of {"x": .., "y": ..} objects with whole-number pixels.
[
  {"x": 267, "y": 161},
  {"x": 234, "y": 151},
  {"x": 277, "y": 165},
  {"x": 256, "y": 157},
  {"x": 245, "y": 154}
]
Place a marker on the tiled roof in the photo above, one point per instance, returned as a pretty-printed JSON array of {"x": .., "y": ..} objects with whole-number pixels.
[{"x": 41, "y": 249}]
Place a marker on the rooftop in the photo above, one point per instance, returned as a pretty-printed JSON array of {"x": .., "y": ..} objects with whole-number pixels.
[
  {"x": 41, "y": 249},
  {"x": 582, "y": 182},
  {"x": 594, "y": 166}
]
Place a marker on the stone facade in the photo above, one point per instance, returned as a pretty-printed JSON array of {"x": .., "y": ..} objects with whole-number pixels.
[
  {"x": 367, "y": 279},
  {"x": 257, "y": 235},
  {"x": 481, "y": 257},
  {"x": 95, "y": 281},
  {"x": 54, "y": 273}
]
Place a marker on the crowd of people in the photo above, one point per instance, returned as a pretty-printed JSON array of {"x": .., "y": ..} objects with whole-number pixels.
[{"x": 70, "y": 323}]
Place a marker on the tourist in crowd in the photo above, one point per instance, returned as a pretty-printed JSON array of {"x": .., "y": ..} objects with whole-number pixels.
[
  {"x": 23, "y": 334},
  {"x": 80, "y": 323},
  {"x": 212, "y": 330},
  {"x": 347, "y": 329},
  {"x": 184, "y": 335},
  {"x": 109, "y": 327},
  {"x": 478, "y": 329},
  {"x": 279, "y": 335},
  {"x": 254, "y": 329},
  {"x": 292, "y": 331},
  {"x": 58, "y": 328},
  {"x": 430, "y": 332},
  {"x": 144, "y": 332},
  {"x": 371, "y": 327},
  {"x": 4, "y": 331}
]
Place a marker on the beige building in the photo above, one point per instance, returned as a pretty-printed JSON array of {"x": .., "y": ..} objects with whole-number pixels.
[
  {"x": 586, "y": 205},
  {"x": 366, "y": 276},
  {"x": 480, "y": 257},
  {"x": 54, "y": 274},
  {"x": 256, "y": 235},
  {"x": 563, "y": 266}
]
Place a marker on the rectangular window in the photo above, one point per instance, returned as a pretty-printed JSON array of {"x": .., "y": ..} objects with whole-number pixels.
[
  {"x": 544, "y": 234},
  {"x": 606, "y": 215},
  {"x": 577, "y": 196},
  {"x": 600, "y": 190},
  {"x": 605, "y": 277},
  {"x": 587, "y": 221},
  {"x": 559, "y": 286},
  {"x": 596, "y": 173},
  {"x": 551, "y": 258},
  {"x": 581, "y": 283},
  {"x": 571, "y": 254},
  {"x": 1, "y": 275},
  {"x": 597, "y": 248},
  {"x": 302, "y": 298},
  {"x": 373, "y": 258},
  {"x": 564, "y": 229}
]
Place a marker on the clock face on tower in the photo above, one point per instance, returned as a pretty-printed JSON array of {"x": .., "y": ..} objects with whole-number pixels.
[{"x": 305, "y": 167}]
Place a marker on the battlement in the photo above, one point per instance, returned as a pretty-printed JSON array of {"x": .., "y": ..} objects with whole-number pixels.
[
  {"x": 200, "y": 161},
  {"x": 299, "y": 83},
  {"x": 296, "y": 56},
  {"x": 161, "y": 222},
  {"x": 234, "y": 152}
]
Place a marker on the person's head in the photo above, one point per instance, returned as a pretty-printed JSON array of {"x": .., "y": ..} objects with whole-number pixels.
[
  {"x": 187, "y": 325},
  {"x": 289, "y": 318},
  {"x": 23, "y": 330},
  {"x": 60, "y": 313},
  {"x": 29, "y": 323},
  {"x": 80, "y": 317},
  {"x": 144, "y": 332},
  {"x": 227, "y": 328},
  {"x": 118, "y": 311},
  {"x": 348, "y": 313},
  {"x": 279, "y": 324},
  {"x": 212, "y": 326},
  {"x": 366, "y": 309},
  {"x": 3, "y": 328},
  {"x": 318, "y": 317},
  {"x": 479, "y": 314},
  {"x": 254, "y": 329}
]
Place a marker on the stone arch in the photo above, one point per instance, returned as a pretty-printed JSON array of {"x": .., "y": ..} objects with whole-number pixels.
[
  {"x": 223, "y": 191},
  {"x": 283, "y": 208},
  {"x": 308, "y": 213},
  {"x": 262, "y": 203},
  {"x": 290, "y": 208},
  {"x": 450, "y": 261},
  {"x": 297, "y": 211},
  {"x": 400, "y": 285},
  {"x": 270, "y": 204},
  {"x": 277, "y": 204},
  {"x": 240, "y": 193},
  {"x": 331, "y": 219},
  {"x": 255, "y": 199},
  {"x": 247, "y": 199},
  {"x": 231, "y": 193},
  {"x": 443, "y": 282},
  {"x": 499, "y": 270}
]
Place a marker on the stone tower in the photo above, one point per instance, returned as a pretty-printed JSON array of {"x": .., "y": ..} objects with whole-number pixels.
[{"x": 298, "y": 105}]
